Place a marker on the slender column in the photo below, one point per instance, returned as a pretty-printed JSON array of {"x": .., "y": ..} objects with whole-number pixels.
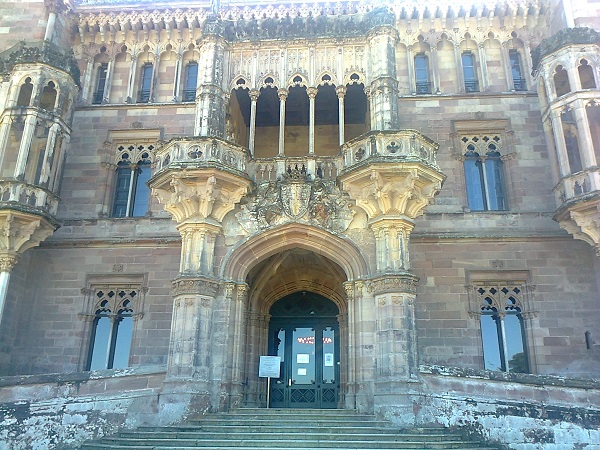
[
  {"x": 561, "y": 145},
  {"x": 50, "y": 26},
  {"x": 110, "y": 70},
  {"x": 574, "y": 80},
  {"x": 510, "y": 83},
  {"x": 4, "y": 134},
  {"x": 341, "y": 93},
  {"x": 177, "y": 80},
  {"x": 410, "y": 64},
  {"x": 282, "y": 93},
  {"x": 131, "y": 79},
  {"x": 48, "y": 154},
  {"x": 586, "y": 144},
  {"x": 434, "y": 70},
  {"x": 312, "y": 94},
  {"x": 460, "y": 76},
  {"x": 254, "y": 93},
  {"x": 60, "y": 162},
  {"x": 528, "y": 64},
  {"x": 483, "y": 65},
  {"x": 154, "y": 76},
  {"x": 30, "y": 123},
  {"x": 6, "y": 265},
  {"x": 87, "y": 80}
]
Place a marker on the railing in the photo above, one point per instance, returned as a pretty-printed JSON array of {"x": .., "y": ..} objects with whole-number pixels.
[
  {"x": 423, "y": 87},
  {"x": 270, "y": 169},
  {"x": 189, "y": 95},
  {"x": 18, "y": 192},
  {"x": 577, "y": 185},
  {"x": 201, "y": 150},
  {"x": 97, "y": 98},
  {"x": 519, "y": 84},
  {"x": 471, "y": 86},
  {"x": 144, "y": 96},
  {"x": 406, "y": 145}
]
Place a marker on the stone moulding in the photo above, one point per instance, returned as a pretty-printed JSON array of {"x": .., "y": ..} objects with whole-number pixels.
[
  {"x": 195, "y": 286},
  {"x": 393, "y": 283},
  {"x": 39, "y": 52},
  {"x": 568, "y": 36}
]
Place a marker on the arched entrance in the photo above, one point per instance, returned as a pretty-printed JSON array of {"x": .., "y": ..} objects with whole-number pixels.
[{"x": 304, "y": 333}]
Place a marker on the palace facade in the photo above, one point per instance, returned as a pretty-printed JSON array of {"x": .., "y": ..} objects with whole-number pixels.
[{"x": 399, "y": 199}]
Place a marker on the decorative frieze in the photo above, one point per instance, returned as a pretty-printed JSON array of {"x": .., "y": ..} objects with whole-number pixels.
[
  {"x": 400, "y": 283},
  {"x": 196, "y": 286}
]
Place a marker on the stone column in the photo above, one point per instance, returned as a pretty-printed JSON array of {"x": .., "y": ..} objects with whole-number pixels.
[
  {"x": 131, "y": 80},
  {"x": 510, "y": 83},
  {"x": 239, "y": 300},
  {"x": 110, "y": 70},
  {"x": 350, "y": 394},
  {"x": 341, "y": 94},
  {"x": 5, "y": 124},
  {"x": 312, "y": 94},
  {"x": 586, "y": 145},
  {"x": 435, "y": 71},
  {"x": 559, "y": 142},
  {"x": 483, "y": 65},
  {"x": 282, "y": 93},
  {"x": 460, "y": 75},
  {"x": 48, "y": 155},
  {"x": 6, "y": 265},
  {"x": 28, "y": 130},
  {"x": 410, "y": 65},
  {"x": 254, "y": 94},
  {"x": 87, "y": 80},
  {"x": 391, "y": 243},
  {"x": 177, "y": 78},
  {"x": 50, "y": 26}
]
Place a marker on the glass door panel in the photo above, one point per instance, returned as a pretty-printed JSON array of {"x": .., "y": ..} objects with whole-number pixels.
[{"x": 303, "y": 356}]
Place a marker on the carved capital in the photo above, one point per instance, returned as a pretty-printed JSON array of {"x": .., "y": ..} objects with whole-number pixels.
[
  {"x": 254, "y": 94},
  {"x": 195, "y": 285},
  {"x": 7, "y": 262},
  {"x": 401, "y": 283}
]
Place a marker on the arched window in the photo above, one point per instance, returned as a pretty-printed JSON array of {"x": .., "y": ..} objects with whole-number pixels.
[
  {"x": 561, "y": 81},
  {"x": 423, "y": 86},
  {"x": 145, "y": 83},
  {"x": 100, "y": 84},
  {"x": 483, "y": 173},
  {"x": 48, "y": 99},
  {"x": 571, "y": 141},
  {"x": 112, "y": 329},
  {"x": 25, "y": 92},
  {"x": 470, "y": 72},
  {"x": 131, "y": 191},
  {"x": 191, "y": 80},
  {"x": 586, "y": 75},
  {"x": 502, "y": 328},
  {"x": 516, "y": 68}
]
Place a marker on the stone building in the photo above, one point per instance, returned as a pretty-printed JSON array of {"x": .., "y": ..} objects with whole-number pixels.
[{"x": 398, "y": 198}]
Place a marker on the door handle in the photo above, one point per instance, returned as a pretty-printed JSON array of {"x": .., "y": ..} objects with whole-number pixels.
[{"x": 290, "y": 382}]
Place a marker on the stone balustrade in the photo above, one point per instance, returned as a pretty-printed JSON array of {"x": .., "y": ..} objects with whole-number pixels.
[
  {"x": 270, "y": 169},
  {"x": 199, "y": 152},
  {"x": 28, "y": 196},
  {"x": 409, "y": 145},
  {"x": 577, "y": 185}
]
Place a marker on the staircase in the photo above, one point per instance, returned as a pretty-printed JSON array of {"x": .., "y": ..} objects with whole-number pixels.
[{"x": 290, "y": 429}]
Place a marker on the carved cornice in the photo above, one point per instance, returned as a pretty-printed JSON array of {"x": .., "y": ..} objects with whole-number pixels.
[
  {"x": 400, "y": 283},
  {"x": 196, "y": 286},
  {"x": 39, "y": 52},
  {"x": 565, "y": 37}
]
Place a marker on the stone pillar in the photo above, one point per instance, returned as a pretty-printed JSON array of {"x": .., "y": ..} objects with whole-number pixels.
[
  {"x": 460, "y": 76},
  {"x": 341, "y": 94},
  {"x": 48, "y": 155},
  {"x": 5, "y": 124},
  {"x": 560, "y": 144},
  {"x": 7, "y": 263},
  {"x": 50, "y": 26},
  {"x": 177, "y": 77},
  {"x": 434, "y": 70},
  {"x": 312, "y": 94},
  {"x": 254, "y": 94},
  {"x": 28, "y": 130},
  {"x": 87, "y": 80},
  {"x": 391, "y": 243},
  {"x": 410, "y": 65},
  {"x": 239, "y": 300},
  {"x": 282, "y": 93},
  {"x": 350, "y": 393},
  {"x": 110, "y": 70},
  {"x": 510, "y": 84},
  {"x": 131, "y": 80},
  {"x": 483, "y": 65}
]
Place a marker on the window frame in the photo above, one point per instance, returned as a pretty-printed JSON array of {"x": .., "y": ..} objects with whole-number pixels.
[
  {"x": 100, "y": 84},
  {"x": 516, "y": 66},
  {"x": 422, "y": 85},
  {"x": 471, "y": 83},
  {"x": 188, "y": 93},
  {"x": 146, "y": 75},
  {"x": 485, "y": 183}
]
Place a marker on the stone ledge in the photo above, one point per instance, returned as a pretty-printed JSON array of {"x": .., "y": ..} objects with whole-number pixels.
[
  {"x": 79, "y": 377},
  {"x": 521, "y": 378}
]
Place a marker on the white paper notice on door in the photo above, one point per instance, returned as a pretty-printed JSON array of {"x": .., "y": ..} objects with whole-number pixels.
[
  {"x": 301, "y": 372},
  {"x": 303, "y": 358},
  {"x": 328, "y": 359}
]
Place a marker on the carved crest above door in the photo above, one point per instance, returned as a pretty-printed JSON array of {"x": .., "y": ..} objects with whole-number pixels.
[{"x": 296, "y": 197}]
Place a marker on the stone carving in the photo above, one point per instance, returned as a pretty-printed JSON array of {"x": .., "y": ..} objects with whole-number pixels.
[
  {"x": 406, "y": 283},
  {"x": 296, "y": 197},
  {"x": 200, "y": 286},
  {"x": 45, "y": 53}
]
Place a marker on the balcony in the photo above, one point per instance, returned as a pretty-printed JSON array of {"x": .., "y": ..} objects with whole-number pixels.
[
  {"x": 519, "y": 84},
  {"x": 578, "y": 200},
  {"x": 423, "y": 87},
  {"x": 27, "y": 197}
]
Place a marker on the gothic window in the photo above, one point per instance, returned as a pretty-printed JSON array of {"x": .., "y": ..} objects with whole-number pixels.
[
  {"x": 112, "y": 318},
  {"x": 483, "y": 172},
  {"x": 423, "y": 86},
  {"x": 586, "y": 75},
  {"x": 145, "y": 83},
  {"x": 25, "y": 92},
  {"x": 191, "y": 80},
  {"x": 516, "y": 68},
  {"x": 100, "y": 84},
  {"x": 561, "y": 81},
  {"x": 132, "y": 194},
  {"x": 571, "y": 141},
  {"x": 48, "y": 98},
  {"x": 502, "y": 327},
  {"x": 469, "y": 72}
]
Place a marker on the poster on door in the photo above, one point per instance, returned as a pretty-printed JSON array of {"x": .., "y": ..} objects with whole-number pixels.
[{"x": 328, "y": 360}]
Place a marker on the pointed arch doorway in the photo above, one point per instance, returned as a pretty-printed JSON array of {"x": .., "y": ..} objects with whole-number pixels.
[{"x": 304, "y": 333}]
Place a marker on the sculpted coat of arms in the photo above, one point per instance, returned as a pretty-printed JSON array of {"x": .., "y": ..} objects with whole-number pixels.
[{"x": 296, "y": 197}]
